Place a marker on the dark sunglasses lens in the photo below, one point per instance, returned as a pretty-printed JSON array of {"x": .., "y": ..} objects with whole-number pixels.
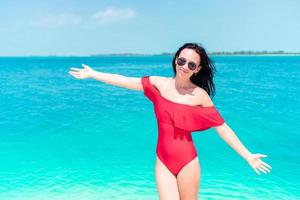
[
  {"x": 181, "y": 61},
  {"x": 192, "y": 66}
]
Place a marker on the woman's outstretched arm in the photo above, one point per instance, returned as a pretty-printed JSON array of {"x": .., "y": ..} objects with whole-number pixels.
[
  {"x": 254, "y": 160},
  {"x": 133, "y": 83}
]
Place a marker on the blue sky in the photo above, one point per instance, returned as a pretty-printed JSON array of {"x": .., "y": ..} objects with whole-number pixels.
[{"x": 98, "y": 27}]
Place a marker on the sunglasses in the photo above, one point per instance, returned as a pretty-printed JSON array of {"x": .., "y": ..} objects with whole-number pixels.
[{"x": 191, "y": 65}]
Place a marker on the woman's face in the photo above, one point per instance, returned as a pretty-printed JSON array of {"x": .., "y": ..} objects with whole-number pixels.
[{"x": 190, "y": 58}]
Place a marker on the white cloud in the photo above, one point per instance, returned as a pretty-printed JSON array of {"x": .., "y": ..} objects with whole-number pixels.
[
  {"x": 56, "y": 21},
  {"x": 110, "y": 15}
]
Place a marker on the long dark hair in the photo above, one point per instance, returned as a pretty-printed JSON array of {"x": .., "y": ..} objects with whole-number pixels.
[{"x": 204, "y": 78}]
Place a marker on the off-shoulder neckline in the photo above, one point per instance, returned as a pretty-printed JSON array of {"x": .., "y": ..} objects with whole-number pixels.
[{"x": 175, "y": 103}]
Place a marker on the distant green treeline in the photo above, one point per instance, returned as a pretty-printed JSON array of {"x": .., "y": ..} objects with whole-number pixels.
[{"x": 249, "y": 52}]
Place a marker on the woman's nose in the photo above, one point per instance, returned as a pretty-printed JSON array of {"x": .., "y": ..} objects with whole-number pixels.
[{"x": 185, "y": 67}]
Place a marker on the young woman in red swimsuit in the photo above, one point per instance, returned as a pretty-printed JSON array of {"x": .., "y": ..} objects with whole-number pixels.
[{"x": 182, "y": 104}]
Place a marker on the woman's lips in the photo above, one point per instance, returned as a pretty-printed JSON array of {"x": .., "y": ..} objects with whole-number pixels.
[{"x": 183, "y": 71}]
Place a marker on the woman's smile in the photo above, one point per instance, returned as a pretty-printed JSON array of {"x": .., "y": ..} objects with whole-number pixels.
[{"x": 181, "y": 69}]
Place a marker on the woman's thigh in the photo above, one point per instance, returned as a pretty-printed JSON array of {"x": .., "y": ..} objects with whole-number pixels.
[
  {"x": 188, "y": 180},
  {"x": 166, "y": 182}
]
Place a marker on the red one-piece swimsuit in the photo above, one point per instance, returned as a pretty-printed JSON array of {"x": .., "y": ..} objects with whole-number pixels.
[{"x": 176, "y": 121}]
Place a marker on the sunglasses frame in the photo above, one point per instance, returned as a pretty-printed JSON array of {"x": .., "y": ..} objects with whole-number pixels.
[{"x": 191, "y": 65}]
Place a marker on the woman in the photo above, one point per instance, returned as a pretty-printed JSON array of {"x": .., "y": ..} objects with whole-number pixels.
[{"x": 182, "y": 105}]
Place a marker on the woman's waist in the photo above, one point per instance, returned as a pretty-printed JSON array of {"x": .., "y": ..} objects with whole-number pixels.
[
  {"x": 165, "y": 126},
  {"x": 167, "y": 131}
]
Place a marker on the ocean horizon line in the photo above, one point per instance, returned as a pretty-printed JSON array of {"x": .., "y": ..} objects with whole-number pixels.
[{"x": 217, "y": 53}]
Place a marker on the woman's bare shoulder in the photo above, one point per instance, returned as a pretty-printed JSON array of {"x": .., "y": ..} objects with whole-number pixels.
[
  {"x": 203, "y": 97},
  {"x": 159, "y": 80}
]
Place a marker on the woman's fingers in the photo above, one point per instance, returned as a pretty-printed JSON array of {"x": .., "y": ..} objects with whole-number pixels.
[
  {"x": 265, "y": 168},
  {"x": 75, "y": 75},
  {"x": 262, "y": 155},
  {"x": 72, "y": 72},
  {"x": 256, "y": 171},
  {"x": 261, "y": 169},
  {"x": 265, "y": 164},
  {"x": 75, "y": 69}
]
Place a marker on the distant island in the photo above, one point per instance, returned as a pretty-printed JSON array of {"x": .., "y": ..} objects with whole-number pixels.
[
  {"x": 253, "y": 53},
  {"x": 248, "y": 52}
]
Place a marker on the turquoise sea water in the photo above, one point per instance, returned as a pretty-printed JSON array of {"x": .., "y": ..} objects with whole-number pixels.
[{"x": 64, "y": 138}]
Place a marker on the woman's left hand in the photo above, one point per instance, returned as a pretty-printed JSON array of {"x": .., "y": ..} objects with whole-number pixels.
[{"x": 257, "y": 164}]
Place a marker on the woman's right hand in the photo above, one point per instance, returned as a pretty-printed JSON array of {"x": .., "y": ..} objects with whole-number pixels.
[{"x": 84, "y": 73}]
